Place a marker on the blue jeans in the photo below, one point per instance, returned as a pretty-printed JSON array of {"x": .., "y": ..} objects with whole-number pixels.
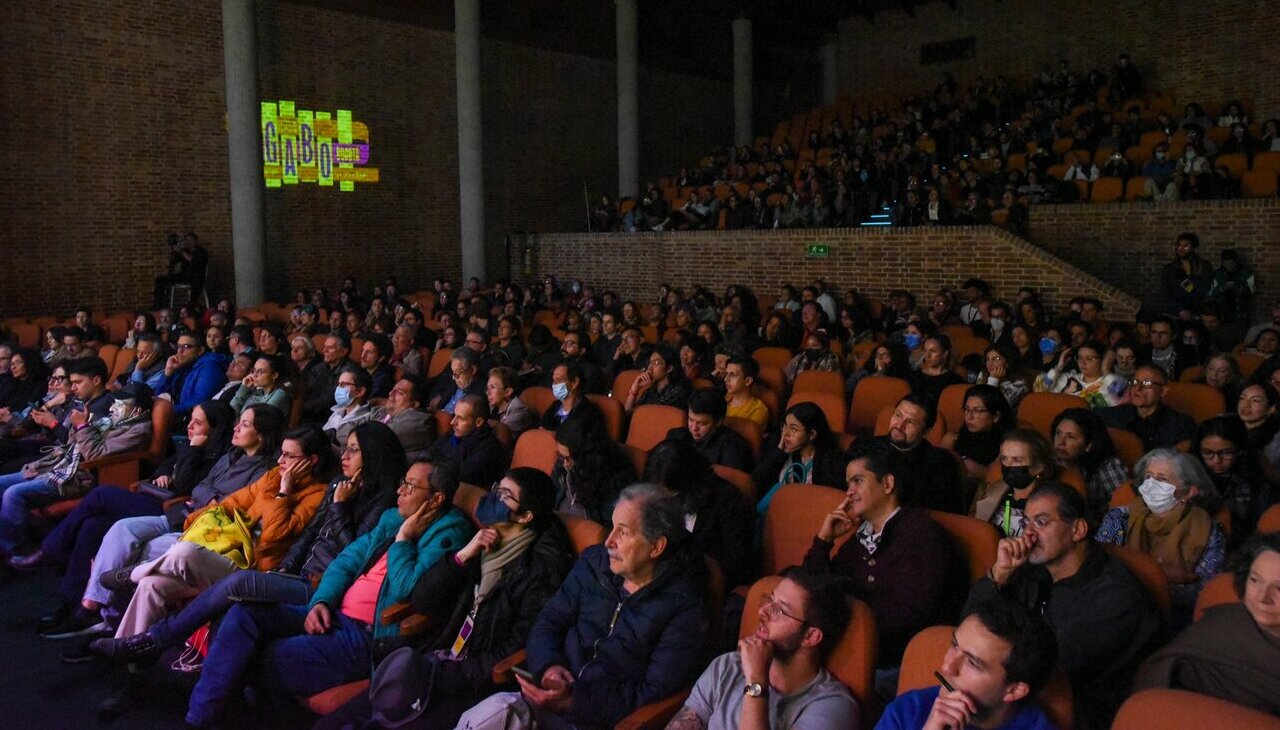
[
  {"x": 20, "y": 494},
  {"x": 293, "y": 662},
  {"x": 250, "y": 586},
  {"x": 76, "y": 539}
]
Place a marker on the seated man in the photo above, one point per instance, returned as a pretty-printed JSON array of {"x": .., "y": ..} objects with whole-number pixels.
[
  {"x": 414, "y": 427},
  {"x": 94, "y": 337},
  {"x": 628, "y": 355},
  {"x": 350, "y": 403},
  {"x": 148, "y": 363},
  {"x": 901, "y": 562},
  {"x": 626, "y": 628},
  {"x": 573, "y": 349},
  {"x": 320, "y": 388},
  {"x": 739, "y": 375},
  {"x": 192, "y": 374},
  {"x": 308, "y": 649},
  {"x": 1146, "y": 416},
  {"x": 1105, "y": 621},
  {"x": 462, "y": 379},
  {"x": 776, "y": 677},
  {"x": 59, "y": 474},
  {"x": 706, "y": 430},
  {"x": 1171, "y": 357},
  {"x": 472, "y": 443},
  {"x": 930, "y": 475},
  {"x": 374, "y": 354},
  {"x": 1001, "y": 656}
]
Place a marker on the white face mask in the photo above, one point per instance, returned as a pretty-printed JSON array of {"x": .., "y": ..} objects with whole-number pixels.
[{"x": 1158, "y": 495}]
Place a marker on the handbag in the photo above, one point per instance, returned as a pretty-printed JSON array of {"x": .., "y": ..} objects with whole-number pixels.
[{"x": 225, "y": 532}]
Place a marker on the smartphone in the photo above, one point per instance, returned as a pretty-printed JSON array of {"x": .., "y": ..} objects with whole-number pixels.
[{"x": 524, "y": 674}]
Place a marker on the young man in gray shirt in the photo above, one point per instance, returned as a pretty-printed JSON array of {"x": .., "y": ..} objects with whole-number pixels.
[{"x": 776, "y": 678}]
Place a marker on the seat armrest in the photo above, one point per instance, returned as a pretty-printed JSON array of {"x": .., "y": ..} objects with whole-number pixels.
[
  {"x": 655, "y": 715},
  {"x": 502, "y": 673}
]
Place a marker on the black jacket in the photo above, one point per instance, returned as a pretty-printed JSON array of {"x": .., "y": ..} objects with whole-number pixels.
[
  {"x": 724, "y": 446},
  {"x": 828, "y": 469},
  {"x": 930, "y": 478},
  {"x": 319, "y": 403},
  {"x": 723, "y": 530},
  {"x": 503, "y": 620},
  {"x": 1162, "y": 430},
  {"x": 585, "y": 409},
  {"x": 1186, "y": 290},
  {"x": 334, "y": 526},
  {"x": 482, "y": 457}
]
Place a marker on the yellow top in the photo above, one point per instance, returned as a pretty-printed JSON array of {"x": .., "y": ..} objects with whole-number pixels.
[{"x": 754, "y": 409}]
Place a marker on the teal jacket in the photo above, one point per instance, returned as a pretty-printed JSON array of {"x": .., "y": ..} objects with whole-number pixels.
[{"x": 406, "y": 561}]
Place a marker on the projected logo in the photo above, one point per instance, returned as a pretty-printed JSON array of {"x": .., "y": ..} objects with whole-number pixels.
[{"x": 302, "y": 146}]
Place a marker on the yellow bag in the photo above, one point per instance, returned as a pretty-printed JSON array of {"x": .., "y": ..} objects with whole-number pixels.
[{"x": 225, "y": 532}]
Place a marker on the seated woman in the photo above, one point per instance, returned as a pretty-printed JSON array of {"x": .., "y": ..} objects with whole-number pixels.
[
  {"x": 373, "y": 463},
  {"x": 1024, "y": 462},
  {"x": 1233, "y": 652},
  {"x": 1222, "y": 445},
  {"x": 76, "y": 538},
  {"x": 1006, "y": 370},
  {"x": 255, "y": 442},
  {"x": 935, "y": 373},
  {"x": 1256, "y": 409},
  {"x": 1223, "y": 372},
  {"x": 693, "y": 356},
  {"x": 717, "y": 514},
  {"x": 816, "y": 355},
  {"x": 1081, "y": 442},
  {"x": 1168, "y": 524},
  {"x": 590, "y": 470},
  {"x": 278, "y": 505},
  {"x": 486, "y": 596},
  {"x": 889, "y": 359},
  {"x": 662, "y": 382},
  {"x": 264, "y": 384},
  {"x": 1091, "y": 378},
  {"x": 504, "y": 404},
  {"x": 986, "y": 418},
  {"x": 1265, "y": 344},
  {"x": 806, "y": 454},
  {"x": 26, "y": 383}
]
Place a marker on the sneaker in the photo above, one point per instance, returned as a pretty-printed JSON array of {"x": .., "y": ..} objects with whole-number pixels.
[
  {"x": 28, "y": 562},
  {"x": 118, "y": 580},
  {"x": 81, "y": 622},
  {"x": 140, "y": 648},
  {"x": 78, "y": 654}
]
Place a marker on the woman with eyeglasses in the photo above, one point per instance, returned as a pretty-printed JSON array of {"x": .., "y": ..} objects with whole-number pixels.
[
  {"x": 487, "y": 594},
  {"x": 1091, "y": 378},
  {"x": 986, "y": 418},
  {"x": 1168, "y": 523},
  {"x": 30, "y": 429},
  {"x": 373, "y": 463},
  {"x": 1222, "y": 444}
]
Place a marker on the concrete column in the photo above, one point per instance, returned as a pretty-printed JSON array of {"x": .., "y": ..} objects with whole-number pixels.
[
  {"x": 244, "y": 145},
  {"x": 742, "y": 82},
  {"x": 628, "y": 99},
  {"x": 470, "y": 138},
  {"x": 830, "y": 72}
]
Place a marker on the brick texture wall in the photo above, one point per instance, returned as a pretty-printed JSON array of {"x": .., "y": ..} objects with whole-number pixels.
[
  {"x": 1127, "y": 244},
  {"x": 114, "y": 126},
  {"x": 1208, "y": 50},
  {"x": 874, "y": 260}
]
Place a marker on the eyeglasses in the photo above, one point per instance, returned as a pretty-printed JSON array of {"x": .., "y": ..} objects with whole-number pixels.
[
  {"x": 57, "y": 378},
  {"x": 504, "y": 494},
  {"x": 291, "y": 457},
  {"x": 350, "y": 449},
  {"x": 1135, "y": 383},
  {"x": 184, "y": 346},
  {"x": 975, "y": 411},
  {"x": 1208, "y": 454},
  {"x": 772, "y": 609},
  {"x": 409, "y": 486},
  {"x": 1042, "y": 522}
]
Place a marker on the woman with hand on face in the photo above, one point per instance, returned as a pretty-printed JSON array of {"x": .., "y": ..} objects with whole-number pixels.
[
  {"x": 1005, "y": 369},
  {"x": 889, "y": 359},
  {"x": 264, "y": 384},
  {"x": 806, "y": 454},
  {"x": 661, "y": 383},
  {"x": 1168, "y": 523},
  {"x": 986, "y": 417},
  {"x": 1091, "y": 378}
]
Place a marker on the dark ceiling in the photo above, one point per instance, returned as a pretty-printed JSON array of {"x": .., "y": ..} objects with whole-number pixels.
[{"x": 693, "y": 36}]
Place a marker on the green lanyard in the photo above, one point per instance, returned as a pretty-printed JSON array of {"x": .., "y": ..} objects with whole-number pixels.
[{"x": 1008, "y": 516}]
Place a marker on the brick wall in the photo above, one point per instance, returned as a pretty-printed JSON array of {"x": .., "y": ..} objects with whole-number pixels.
[
  {"x": 1208, "y": 50},
  {"x": 1126, "y": 244},
  {"x": 114, "y": 128},
  {"x": 874, "y": 260}
]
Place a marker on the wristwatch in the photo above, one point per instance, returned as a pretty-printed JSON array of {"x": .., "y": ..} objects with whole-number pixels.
[{"x": 754, "y": 689}]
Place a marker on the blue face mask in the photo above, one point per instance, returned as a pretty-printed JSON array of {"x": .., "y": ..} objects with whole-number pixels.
[
  {"x": 492, "y": 510},
  {"x": 1048, "y": 345},
  {"x": 342, "y": 396},
  {"x": 911, "y": 340},
  {"x": 560, "y": 390}
]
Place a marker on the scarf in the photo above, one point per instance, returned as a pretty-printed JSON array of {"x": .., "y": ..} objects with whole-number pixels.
[
  {"x": 494, "y": 562},
  {"x": 1177, "y": 537}
]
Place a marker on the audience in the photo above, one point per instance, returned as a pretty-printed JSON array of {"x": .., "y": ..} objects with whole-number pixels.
[
  {"x": 705, "y": 430},
  {"x": 1146, "y": 416},
  {"x": 930, "y": 475},
  {"x": 350, "y": 403},
  {"x": 806, "y": 453},
  {"x": 471, "y": 443}
]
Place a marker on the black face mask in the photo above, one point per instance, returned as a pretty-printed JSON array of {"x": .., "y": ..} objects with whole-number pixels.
[
  {"x": 813, "y": 353},
  {"x": 1017, "y": 477}
]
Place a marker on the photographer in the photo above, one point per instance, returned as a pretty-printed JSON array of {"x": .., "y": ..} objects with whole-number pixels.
[{"x": 188, "y": 262}]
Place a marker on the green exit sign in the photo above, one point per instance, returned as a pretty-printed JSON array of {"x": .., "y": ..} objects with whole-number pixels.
[{"x": 817, "y": 250}]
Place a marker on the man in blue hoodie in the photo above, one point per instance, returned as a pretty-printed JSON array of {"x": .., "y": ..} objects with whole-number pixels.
[
  {"x": 192, "y": 374},
  {"x": 306, "y": 649}
]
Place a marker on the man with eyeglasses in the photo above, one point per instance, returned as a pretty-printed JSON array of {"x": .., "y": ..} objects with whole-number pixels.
[
  {"x": 1146, "y": 416},
  {"x": 192, "y": 374},
  {"x": 574, "y": 347},
  {"x": 302, "y": 650},
  {"x": 350, "y": 403},
  {"x": 1105, "y": 621},
  {"x": 460, "y": 380},
  {"x": 776, "y": 677},
  {"x": 478, "y": 342}
]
